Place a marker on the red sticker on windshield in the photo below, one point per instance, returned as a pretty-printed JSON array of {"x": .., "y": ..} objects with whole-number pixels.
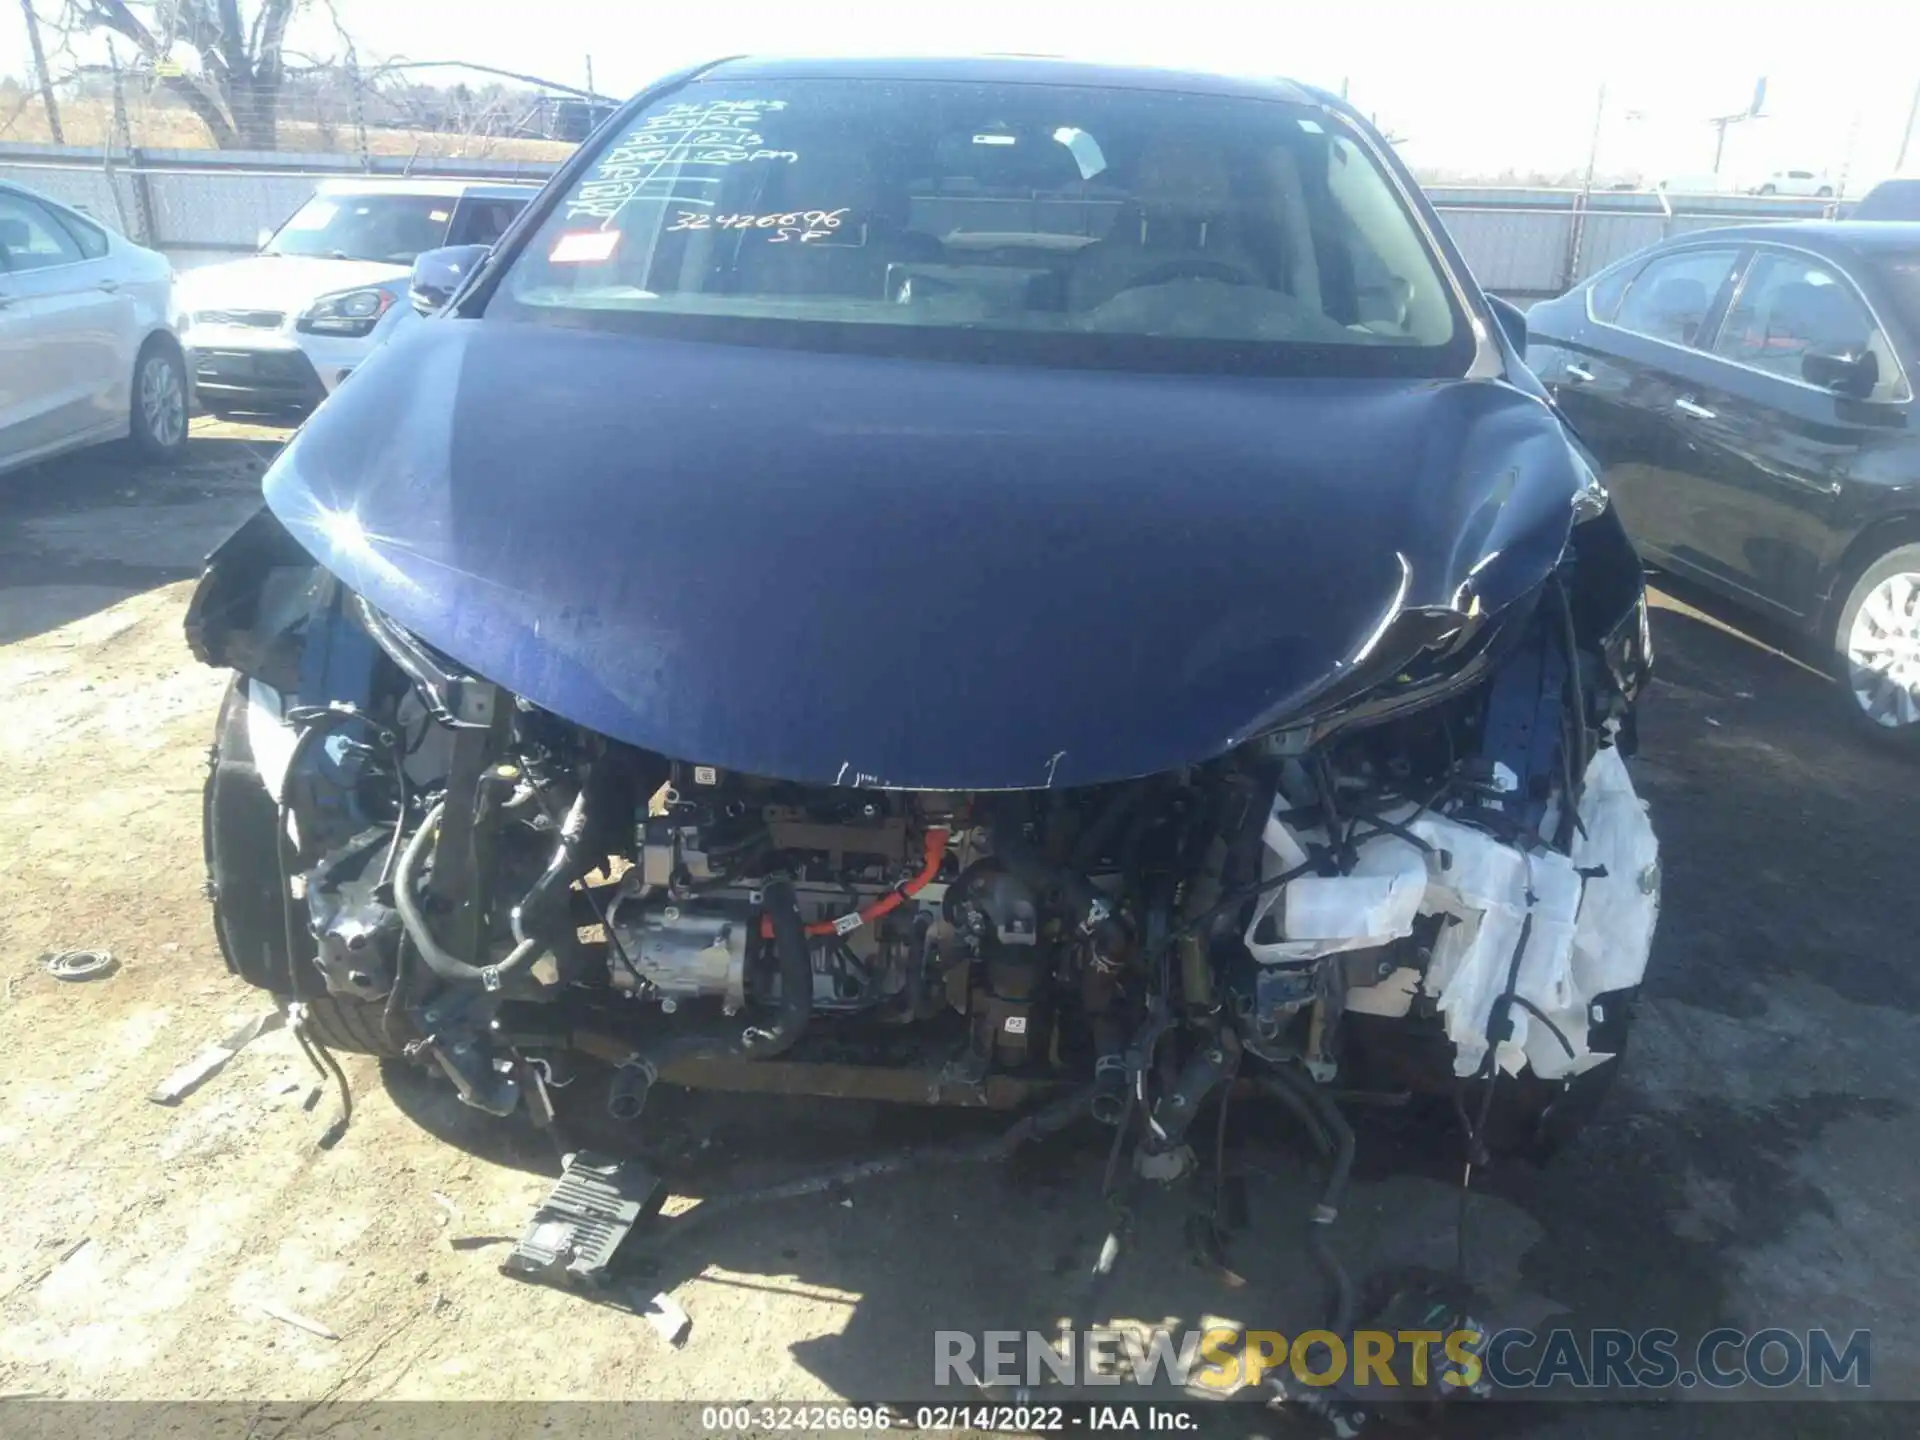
[{"x": 584, "y": 247}]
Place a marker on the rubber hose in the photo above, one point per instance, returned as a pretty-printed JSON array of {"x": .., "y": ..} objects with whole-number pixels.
[
  {"x": 1100, "y": 997},
  {"x": 565, "y": 857},
  {"x": 796, "y": 977},
  {"x": 1333, "y": 1125},
  {"x": 1334, "y": 1136},
  {"x": 1055, "y": 1116},
  {"x": 444, "y": 963},
  {"x": 1109, "y": 1097},
  {"x": 1337, "y": 1280}
]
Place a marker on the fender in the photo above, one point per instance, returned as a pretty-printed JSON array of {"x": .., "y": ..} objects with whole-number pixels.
[{"x": 256, "y": 589}]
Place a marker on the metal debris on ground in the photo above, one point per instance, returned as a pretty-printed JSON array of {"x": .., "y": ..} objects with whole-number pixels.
[
  {"x": 1056, "y": 1115},
  {"x": 324, "y": 1065},
  {"x": 79, "y": 964},
  {"x": 33, "y": 1280},
  {"x": 591, "y": 1209},
  {"x": 668, "y": 1320},
  {"x": 212, "y": 1060},
  {"x": 477, "y": 1242},
  {"x": 295, "y": 1319}
]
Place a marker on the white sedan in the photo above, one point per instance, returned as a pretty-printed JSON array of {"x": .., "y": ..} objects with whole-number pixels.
[
  {"x": 86, "y": 352},
  {"x": 1803, "y": 183}
]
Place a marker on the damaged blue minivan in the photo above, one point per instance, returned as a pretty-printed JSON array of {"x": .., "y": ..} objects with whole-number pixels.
[{"x": 993, "y": 582}]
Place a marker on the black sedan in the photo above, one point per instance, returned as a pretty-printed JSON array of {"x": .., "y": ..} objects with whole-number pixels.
[{"x": 1749, "y": 393}]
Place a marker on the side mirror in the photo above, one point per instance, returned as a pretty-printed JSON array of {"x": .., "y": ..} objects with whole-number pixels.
[
  {"x": 1850, "y": 372},
  {"x": 438, "y": 273},
  {"x": 1513, "y": 321}
]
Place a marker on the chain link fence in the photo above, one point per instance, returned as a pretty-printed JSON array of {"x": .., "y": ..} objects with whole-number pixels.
[{"x": 197, "y": 205}]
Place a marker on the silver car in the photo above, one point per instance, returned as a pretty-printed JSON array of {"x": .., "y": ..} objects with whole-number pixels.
[{"x": 86, "y": 351}]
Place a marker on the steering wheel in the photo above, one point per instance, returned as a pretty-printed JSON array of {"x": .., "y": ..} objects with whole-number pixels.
[{"x": 1193, "y": 268}]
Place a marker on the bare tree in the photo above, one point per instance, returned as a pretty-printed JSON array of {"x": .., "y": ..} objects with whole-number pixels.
[{"x": 235, "y": 91}]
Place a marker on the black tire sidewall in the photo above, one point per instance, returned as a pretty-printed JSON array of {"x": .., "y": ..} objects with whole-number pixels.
[
  {"x": 1902, "y": 559},
  {"x": 144, "y": 440},
  {"x": 239, "y": 831}
]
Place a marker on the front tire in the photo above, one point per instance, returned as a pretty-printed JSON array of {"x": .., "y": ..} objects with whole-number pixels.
[
  {"x": 158, "y": 423},
  {"x": 341, "y": 1022},
  {"x": 1876, "y": 644},
  {"x": 240, "y": 827}
]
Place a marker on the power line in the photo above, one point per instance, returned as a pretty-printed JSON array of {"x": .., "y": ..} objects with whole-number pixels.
[{"x": 1906, "y": 136}]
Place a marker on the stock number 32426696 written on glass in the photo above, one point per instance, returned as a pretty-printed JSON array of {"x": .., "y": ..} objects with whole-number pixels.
[{"x": 801, "y": 225}]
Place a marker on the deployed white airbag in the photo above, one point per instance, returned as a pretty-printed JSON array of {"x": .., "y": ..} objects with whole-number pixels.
[{"x": 1591, "y": 921}]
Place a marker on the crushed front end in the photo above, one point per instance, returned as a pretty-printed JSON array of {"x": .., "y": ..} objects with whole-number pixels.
[{"x": 1432, "y": 876}]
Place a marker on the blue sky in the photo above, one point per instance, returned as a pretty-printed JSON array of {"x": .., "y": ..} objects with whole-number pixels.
[{"x": 1472, "y": 84}]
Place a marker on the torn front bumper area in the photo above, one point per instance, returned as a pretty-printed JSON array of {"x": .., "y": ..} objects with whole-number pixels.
[{"x": 1438, "y": 877}]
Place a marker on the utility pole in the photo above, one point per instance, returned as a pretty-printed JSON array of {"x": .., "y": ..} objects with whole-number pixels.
[
  {"x": 1721, "y": 122},
  {"x": 122, "y": 135},
  {"x": 591, "y": 97},
  {"x": 1906, "y": 136},
  {"x": 359, "y": 106},
  {"x": 1593, "y": 146},
  {"x": 1577, "y": 232},
  {"x": 40, "y": 70},
  {"x": 122, "y": 128},
  {"x": 1846, "y": 165}
]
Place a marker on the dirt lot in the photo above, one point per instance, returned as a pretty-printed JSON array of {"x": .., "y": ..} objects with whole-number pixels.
[{"x": 1756, "y": 1167}]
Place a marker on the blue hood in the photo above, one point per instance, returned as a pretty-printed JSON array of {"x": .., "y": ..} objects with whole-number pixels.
[{"x": 927, "y": 574}]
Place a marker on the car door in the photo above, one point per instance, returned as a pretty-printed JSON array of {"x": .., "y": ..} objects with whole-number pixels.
[
  {"x": 1568, "y": 350},
  {"x": 1619, "y": 371},
  {"x": 62, "y": 374},
  {"x": 1766, "y": 452}
]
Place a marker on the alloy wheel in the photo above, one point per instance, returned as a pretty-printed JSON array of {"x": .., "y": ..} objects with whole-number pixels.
[
  {"x": 163, "y": 401},
  {"x": 1883, "y": 652}
]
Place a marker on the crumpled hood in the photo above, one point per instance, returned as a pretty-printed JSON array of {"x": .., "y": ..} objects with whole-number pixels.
[
  {"x": 843, "y": 569},
  {"x": 276, "y": 282}
]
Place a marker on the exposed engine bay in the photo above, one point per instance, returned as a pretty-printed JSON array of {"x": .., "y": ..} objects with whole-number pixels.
[
  {"x": 1442, "y": 882},
  {"x": 964, "y": 656}
]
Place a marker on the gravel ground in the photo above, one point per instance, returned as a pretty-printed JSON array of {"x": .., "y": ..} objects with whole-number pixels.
[{"x": 1755, "y": 1167}]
